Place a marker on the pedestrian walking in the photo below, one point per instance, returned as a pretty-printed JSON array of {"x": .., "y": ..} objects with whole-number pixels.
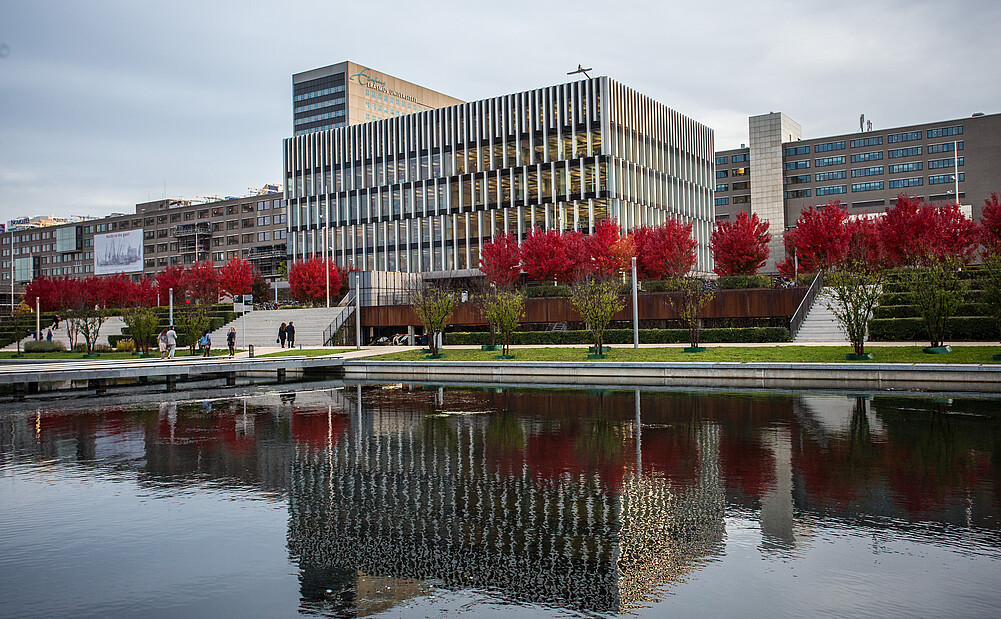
[
  {"x": 55, "y": 324},
  {"x": 231, "y": 341},
  {"x": 48, "y": 335},
  {"x": 290, "y": 334},
  {"x": 161, "y": 341},
  {"x": 171, "y": 342},
  {"x": 206, "y": 344},
  {"x": 281, "y": 335}
]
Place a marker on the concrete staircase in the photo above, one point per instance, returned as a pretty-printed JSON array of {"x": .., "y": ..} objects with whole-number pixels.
[
  {"x": 262, "y": 327},
  {"x": 820, "y": 324},
  {"x": 112, "y": 326}
]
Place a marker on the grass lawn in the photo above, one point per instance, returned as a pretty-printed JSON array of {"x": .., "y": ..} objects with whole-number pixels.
[
  {"x": 777, "y": 354},
  {"x": 307, "y": 352},
  {"x": 9, "y": 354}
]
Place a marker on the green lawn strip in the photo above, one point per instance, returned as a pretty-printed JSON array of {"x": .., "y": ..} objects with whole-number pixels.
[
  {"x": 78, "y": 356},
  {"x": 755, "y": 354},
  {"x": 307, "y": 352}
]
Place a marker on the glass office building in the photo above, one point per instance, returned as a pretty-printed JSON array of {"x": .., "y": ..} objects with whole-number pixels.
[{"x": 423, "y": 192}]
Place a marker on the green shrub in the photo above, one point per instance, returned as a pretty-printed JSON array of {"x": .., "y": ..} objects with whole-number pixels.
[
  {"x": 125, "y": 345},
  {"x": 730, "y": 282},
  {"x": 44, "y": 346},
  {"x": 625, "y": 336},
  {"x": 959, "y": 328},
  {"x": 547, "y": 290}
]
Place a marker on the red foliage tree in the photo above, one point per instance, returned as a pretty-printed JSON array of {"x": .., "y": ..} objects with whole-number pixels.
[
  {"x": 236, "y": 277},
  {"x": 548, "y": 255},
  {"x": 46, "y": 290},
  {"x": 990, "y": 225},
  {"x": 864, "y": 245},
  {"x": 499, "y": 260},
  {"x": 664, "y": 251},
  {"x": 171, "y": 278},
  {"x": 201, "y": 282},
  {"x": 608, "y": 252},
  {"x": 260, "y": 287},
  {"x": 820, "y": 239},
  {"x": 307, "y": 282},
  {"x": 912, "y": 230},
  {"x": 116, "y": 291},
  {"x": 740, "y": 247}
]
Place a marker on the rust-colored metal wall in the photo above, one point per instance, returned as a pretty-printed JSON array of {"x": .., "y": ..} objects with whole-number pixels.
[{"x": 752, "y": 303}]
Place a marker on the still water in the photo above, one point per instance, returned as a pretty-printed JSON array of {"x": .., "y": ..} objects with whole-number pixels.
[{"x": 411, "y": 502}]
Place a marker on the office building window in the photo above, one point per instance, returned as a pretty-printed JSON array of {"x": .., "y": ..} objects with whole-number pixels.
[
  {"x": 903, "y": 152},
  {"x": 875, "y": 155},
  {"x": 722, "y": 201},
  {"x": 860, "y": 172},
  {"x": 829, "y": 146},
  {"x": 832, "y": 190},
  {"x": 796, "y": 150},
  {"x": 935, "y": 164},
  {"x": 872, "y": 186},
  {"x": 907, "y": 136},
  {"x": 740, "y": 171},
  {"x": 740, "y": 158},
  {"x": 826, "y": 161},
  {"x": 899, "y": 183},
  {"x": 871, "y": 141},
  {"x": 795, "y": 180},
  {"x": 911, "y": 166},
  {"x": 821, "y": 177},
  {"x": 263, "y": 236},
  {"x": 742, "y": 199},
  {"x": 797, "y": 193},
  {"x": 721, "y": 160},
  {"x": 796, "y": 165},
  {"x": 722, "y": 187},
  {"x": 939, "y": 179},
  {"x": 722, "y": 173},
  {"x": 945, "y": 147},
  {"x": 942, "y": 132}
]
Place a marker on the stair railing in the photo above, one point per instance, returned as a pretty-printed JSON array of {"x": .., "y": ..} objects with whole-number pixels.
[
  {"x": 804, "y": 306},
  {"x": 347, "y": 308}
]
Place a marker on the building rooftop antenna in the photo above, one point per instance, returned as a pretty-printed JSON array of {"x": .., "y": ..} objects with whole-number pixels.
[{"x": 581, "y": 69}]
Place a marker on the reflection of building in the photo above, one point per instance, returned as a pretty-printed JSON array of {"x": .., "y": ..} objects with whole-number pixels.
[
  {"x": 462, "y": 502},
  {"x": 425, "y": 190}
]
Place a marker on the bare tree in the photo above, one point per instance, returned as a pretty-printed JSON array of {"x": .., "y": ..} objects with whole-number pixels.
[
  {"x": 692, "y": 297},
  {"x": 855, "y": 290},
  {"x": 597, "y": 300}
]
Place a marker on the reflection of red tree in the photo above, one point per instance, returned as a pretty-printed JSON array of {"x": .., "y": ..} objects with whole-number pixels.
[
  {"x": 925, "y": 485},
  {"x": 746, "y": 465},
  {"x": 316, "y": 429},
  {"x": 236, "y": 443},
  {"x": 549, "y": 456},
  {"x": 671, "y": 452},
  {"x": 823, "y": 472}
]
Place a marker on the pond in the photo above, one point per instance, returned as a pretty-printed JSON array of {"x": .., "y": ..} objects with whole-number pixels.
[{"x": 411, "y": 501}]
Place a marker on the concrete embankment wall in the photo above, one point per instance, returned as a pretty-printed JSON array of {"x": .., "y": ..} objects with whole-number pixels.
[{"x": 840, "y": 376}]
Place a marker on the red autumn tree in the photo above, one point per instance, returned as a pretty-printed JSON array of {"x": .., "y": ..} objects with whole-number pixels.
[
  {"x": 819, "y": 240},
  {"x": 236, "y": 277},
  {"x": 664, "y": 251},
  {"x": 608, "y": 252},
  {"x": 307, "y": 282},
  {"x": 171, "y": 278},
  {"x": 864, "y": 246},
  {"x": 740, "y": 247},
  {"x": 202, "y": 282},
  {"x": 116, "y": 291},
  {"x": 144, "y": 293},
  {"x": 499, "y": 260},
  {"x": 548, "y": 255},
  {"x": 912, "y": 230},
  {"x": 45, "y": 290},
  {"x": 260, "y": 287},
  {"x": 990, "y": 225}
]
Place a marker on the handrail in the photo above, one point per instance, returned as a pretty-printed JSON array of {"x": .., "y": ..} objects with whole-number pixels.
[
  {"x": 804, "y": 306},
  {"x": 347, "y": 307}
]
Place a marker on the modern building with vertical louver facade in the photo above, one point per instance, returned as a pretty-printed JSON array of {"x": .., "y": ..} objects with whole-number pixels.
[{"x": 423, "y": 192}]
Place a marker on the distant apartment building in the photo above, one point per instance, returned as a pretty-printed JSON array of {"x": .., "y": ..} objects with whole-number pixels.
[
  {"x": 778, "y": 174},
  {"x": 348, "y": 94},
  {"x": 159, "y": 234}
]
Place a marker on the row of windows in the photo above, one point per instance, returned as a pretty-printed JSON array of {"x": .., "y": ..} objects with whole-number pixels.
[
  {"x": 895, "y": 153},
  {"x": 907, "y": 136},
  {"x": 796, "y": 165},
  {"x": 826, "y": 161},
  {"x": 742, "y": 158},
  {"x": 829, "y": 146},
  {"x": 796, "y": 180},
  {"x": 829, "y": 176},
  {"x": 831, "y": 190},
  {"x": 722, "y": 201},
  {"x": 870, "y": 141},
  {"x": 318, "y": 93},
  {"x": 321, "y": 104},
  {"x": 910, "y": 166},
  {"x": 860, "y": 172},
  {"x": 870, "y": 186},
  {"x": 276, "y": 235},
  {"x": 797, "y": 193},
  {"x": 875, "y": 155},
  {"x": 942, "y": 132},
  {"x": 796, "y": 150},
  {"x": 309, "y": 119},
  {"x": 335, "y": 125},
  {"x": 722, "y": 187},
  {"x": 945, "y": 147},
  {"x": 722, "y": 160},
  {"x": 899, "y": 183},
  {"x": 939, "y": 179},
  {"x": 951, "y": 162}
]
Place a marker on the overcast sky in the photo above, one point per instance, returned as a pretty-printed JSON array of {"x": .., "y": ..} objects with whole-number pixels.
[{"x": 106, "y": 104}]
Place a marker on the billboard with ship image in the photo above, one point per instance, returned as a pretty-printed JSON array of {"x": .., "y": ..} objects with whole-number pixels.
[{"x": 118, "y": 252}]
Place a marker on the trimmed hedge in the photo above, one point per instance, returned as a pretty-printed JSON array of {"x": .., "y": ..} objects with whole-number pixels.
[
  {"x": 547, "y": 290},
  {"x": 740, "y": 282},
  {"x": 625, "y": 336},
  {"x": 910, "y": 311},
  {"x": 960, "y": 328}
]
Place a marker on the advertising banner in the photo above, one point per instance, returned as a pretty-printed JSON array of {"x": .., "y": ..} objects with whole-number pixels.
[{"x": 118, "y": 252}]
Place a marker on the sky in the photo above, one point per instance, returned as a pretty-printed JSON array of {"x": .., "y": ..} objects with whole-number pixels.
[{"x": 104, "y": 104}]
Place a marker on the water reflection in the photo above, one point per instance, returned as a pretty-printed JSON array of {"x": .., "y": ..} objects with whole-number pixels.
[{"x": 596, "y": 502}]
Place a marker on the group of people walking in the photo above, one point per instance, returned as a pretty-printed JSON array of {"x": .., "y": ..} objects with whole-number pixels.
[
  {"x": 167, "y": 341},
  {"x": 286, "y": 332}
]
